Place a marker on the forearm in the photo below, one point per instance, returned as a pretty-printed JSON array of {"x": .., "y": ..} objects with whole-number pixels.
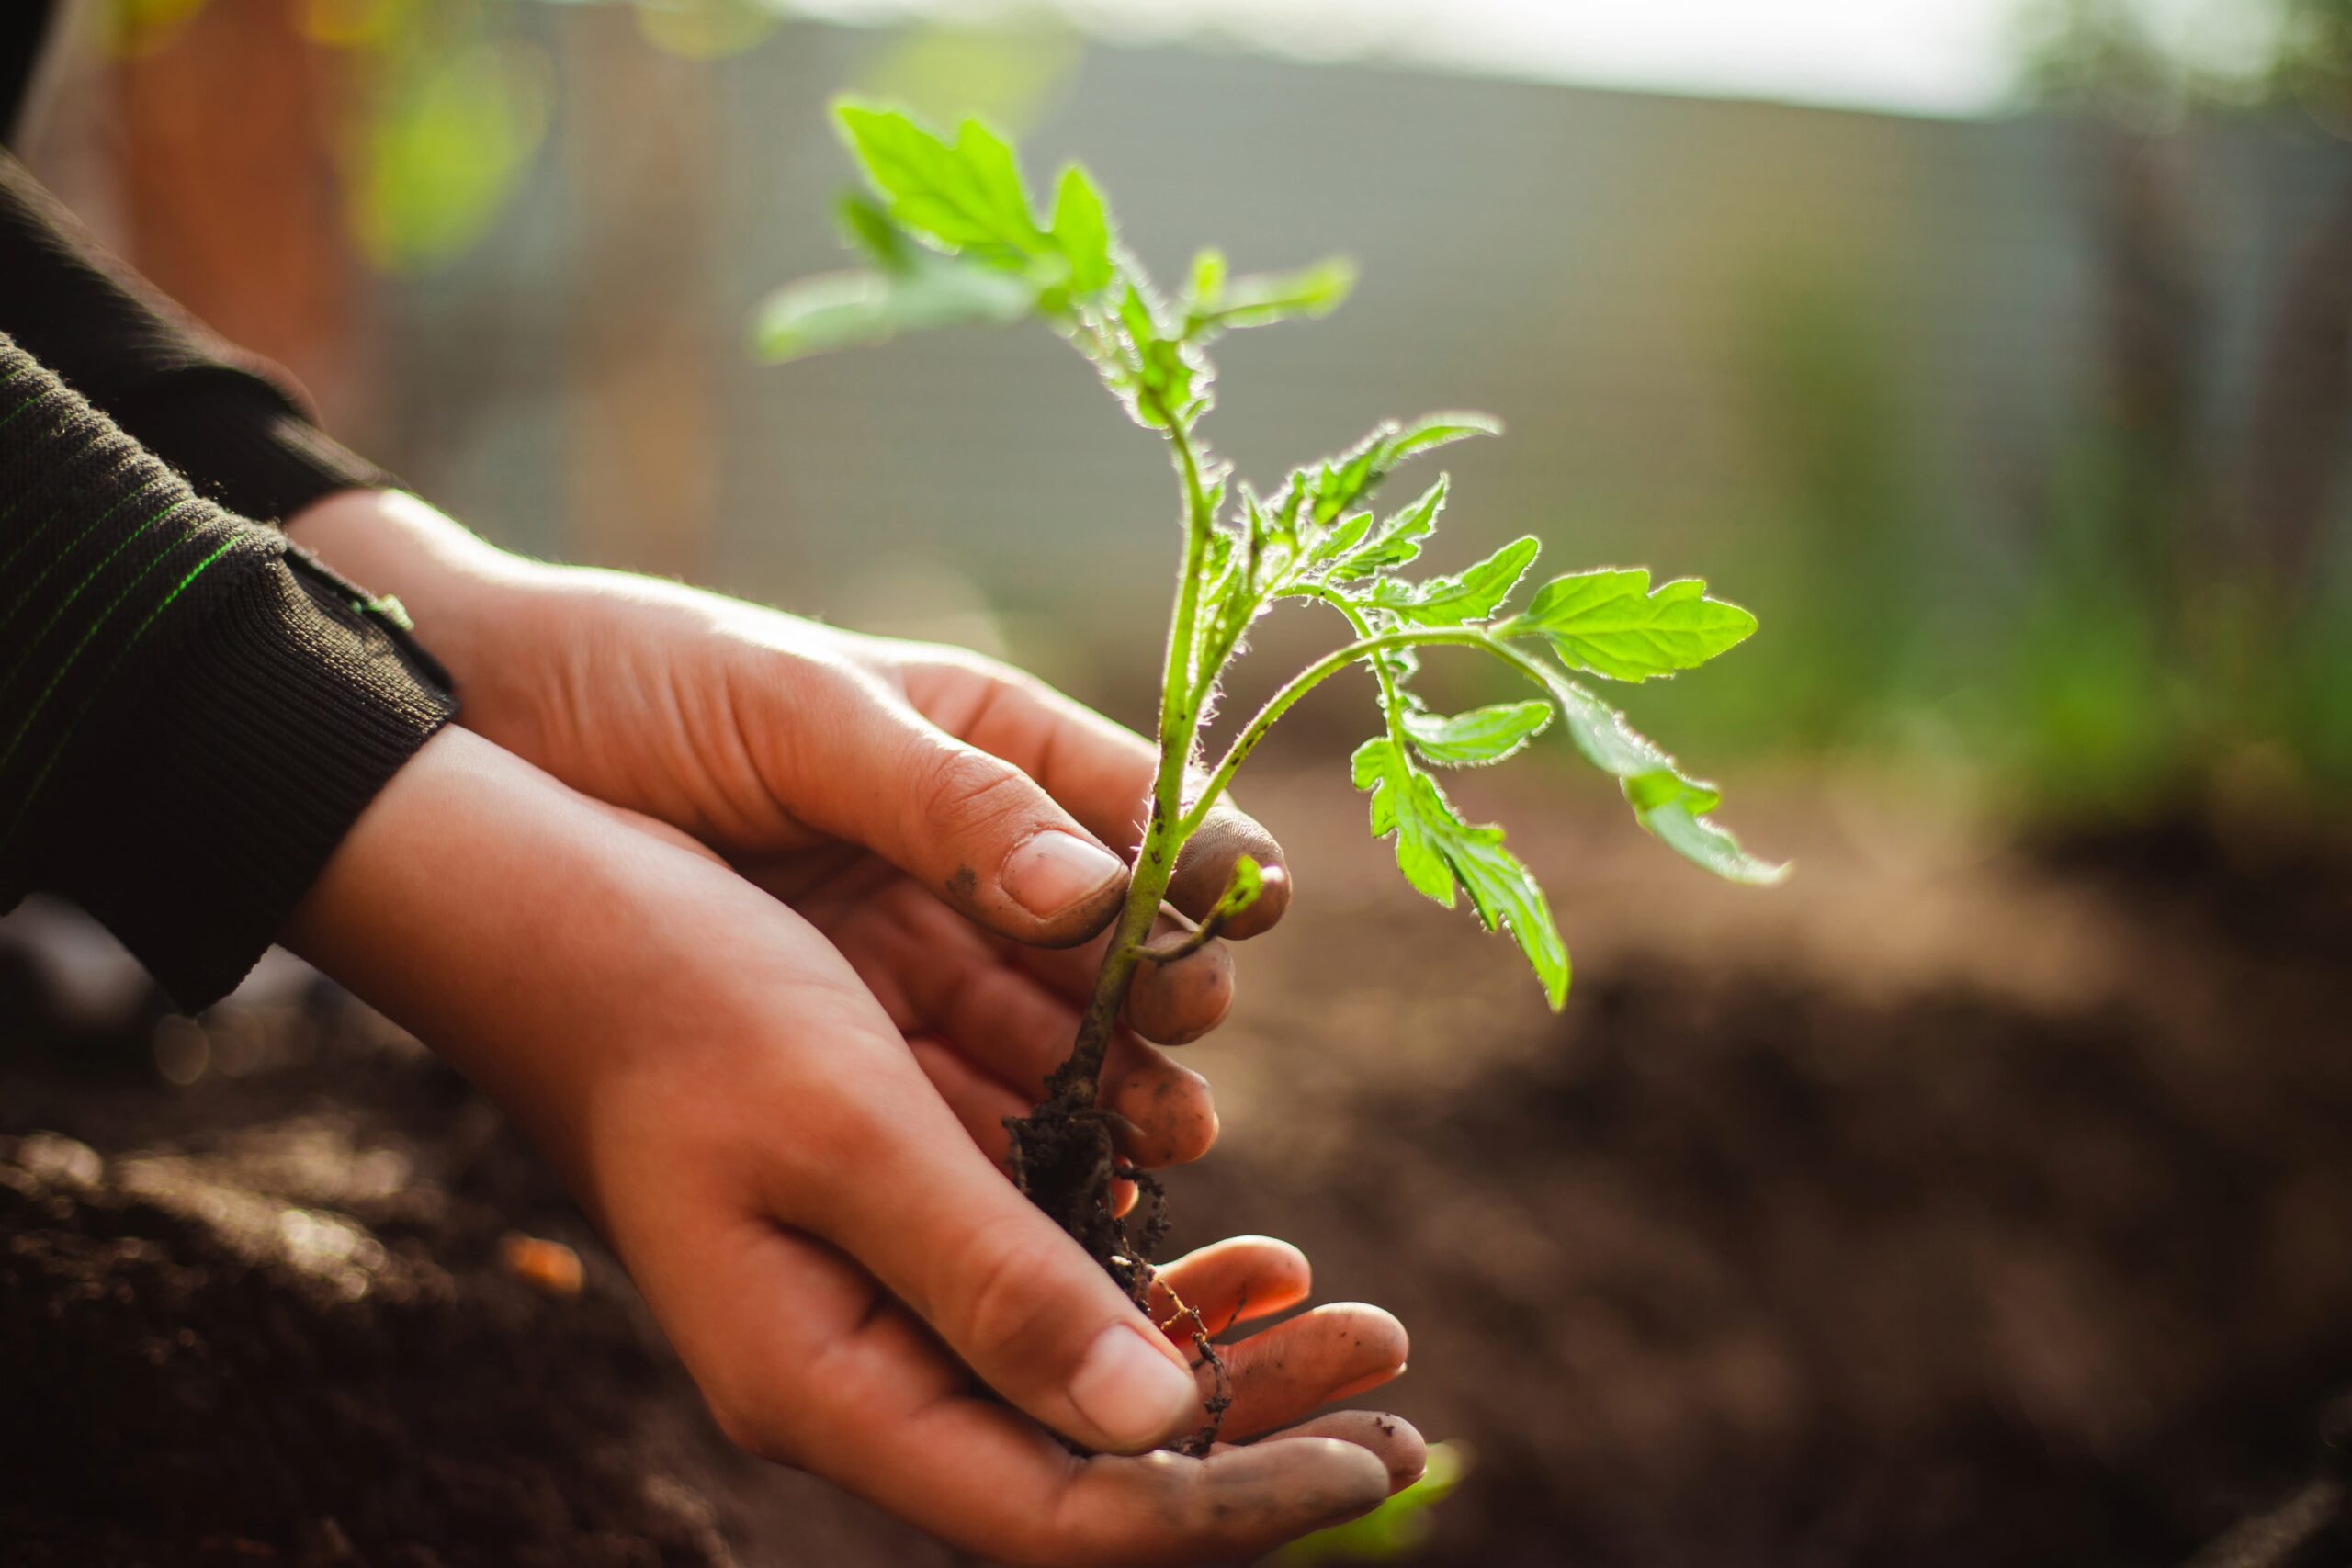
[
  {"x": 396, "y": 545},
  {"x": 497, "y": 914},
  {"x": 494, "y": 621},
  {"x": 187, "y": 723}
]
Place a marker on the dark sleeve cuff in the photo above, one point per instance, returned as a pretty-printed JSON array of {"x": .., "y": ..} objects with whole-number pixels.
[
  {"x": 200, "y": 827},
  {"x": 240, "y": 442}
]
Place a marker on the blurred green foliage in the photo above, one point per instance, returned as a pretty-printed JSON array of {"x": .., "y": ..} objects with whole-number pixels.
[
  {"x": 451, "y": 126},
  {"x": 2180, "y": 607},
  {"x": 2147, "y": 60},
  {"x": 1395, "y": 1527}
]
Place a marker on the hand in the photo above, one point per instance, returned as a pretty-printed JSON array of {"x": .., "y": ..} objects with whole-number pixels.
[
  {"x": 823, "y": 1245},
  {"x": 883, "y": 787}
]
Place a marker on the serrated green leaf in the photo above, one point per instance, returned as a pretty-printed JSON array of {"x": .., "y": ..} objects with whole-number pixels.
[
  {"x": 1665, "y": 799},
  {"x": 1241, "y": 889},
  {"x": 1164, "y": 379},
  {"x": 959, "y": 196},
  {"x": 1397, "y": 543},
  {"x": 868, "y": 228},
  {"x": 1602, "y": 735},
  {"x": 1675, "y": 809},
  {"x": 1479, "y": 737},
  {"x": 1408, "y": 803},
  {"x": 1083, "y": 231},
  {"x": 1324, "y": 490},
  {"x": 1470, "y": 595},
  {"x": 846, "y": 310},
  {"x": 1261, "y": 298},
  {"x": 1436, "y": 850},
  {"x": 1613, "y": 622},
  {"x": 1205, "y": 283},
  {"x": 1434, "y": 430},
  {"x": 1703, "y": 841},
  {"x": 1504, "y": 893},
  {"x": 1340, "y": 539}
]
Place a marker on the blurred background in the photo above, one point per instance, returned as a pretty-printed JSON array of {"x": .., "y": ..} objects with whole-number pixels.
[{"x": 1980, "y": 1196}]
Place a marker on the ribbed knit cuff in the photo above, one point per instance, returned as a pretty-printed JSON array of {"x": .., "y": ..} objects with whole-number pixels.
[
  {"x": 236, "y": 440},
  {"x": 272, "y": 728}
]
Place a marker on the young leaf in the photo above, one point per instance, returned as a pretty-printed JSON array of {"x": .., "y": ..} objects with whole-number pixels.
[
  {"x": 1083, "y": 231},
  {"x": 1398, "y": 541},
  {"x": 1504, "y": 893},
  {"x": 847, "y": 308},
  {"x": 1602, "y": 735},
  {"x": 1665, "y": 800},
  {"x": 868, "y": 228},
  {"x": 1479, "y": 737},
  {"x": 1263, "y": 299},
  {"x": 964, "y": 196},
  {"x": 1675, "y": 809},
  {"x": 1206, "y": 284},
  {"x": 1612, "y": 622},
  {"x": 1337, "y": 485},
  {"x": 1241, "y": 890},
  {"x": 1470, "y": 595},
  {"x": 1164, "y": 379},
  {"x": 1435, "y": 848},
  {"x": 1408, "y": 803},
  {"x": 1337, "y": 542},
  {"x": 1434, "y": 430}
]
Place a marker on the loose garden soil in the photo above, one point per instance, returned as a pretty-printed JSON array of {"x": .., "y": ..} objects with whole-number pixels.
[{"x": 1966, "y": 1202}]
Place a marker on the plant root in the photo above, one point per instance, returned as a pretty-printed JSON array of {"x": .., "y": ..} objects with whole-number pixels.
[{"x": 1065, "y": 1161}]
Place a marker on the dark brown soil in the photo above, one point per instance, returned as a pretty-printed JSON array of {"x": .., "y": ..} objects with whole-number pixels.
[{"x": 1997, "y": 1212}]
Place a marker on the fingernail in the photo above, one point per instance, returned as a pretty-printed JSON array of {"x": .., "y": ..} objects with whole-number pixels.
[
  {"x": 1129, "y": 1389},
  {"x": 1054, "y": 870}
]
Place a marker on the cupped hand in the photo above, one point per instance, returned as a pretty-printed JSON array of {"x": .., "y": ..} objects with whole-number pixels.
[
  {"x": 948, "y": 821},
  {"x": 854, "y": 1287}
]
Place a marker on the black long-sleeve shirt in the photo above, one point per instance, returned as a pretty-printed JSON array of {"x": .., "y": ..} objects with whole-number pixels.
[{"x": 192, "y": 712}]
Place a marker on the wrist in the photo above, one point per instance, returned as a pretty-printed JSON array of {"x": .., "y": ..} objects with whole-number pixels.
[
  {"x": 388, "y": 542},
  {"x": 460, "y": 590}
]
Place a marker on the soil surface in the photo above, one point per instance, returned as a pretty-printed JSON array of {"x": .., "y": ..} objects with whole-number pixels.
[{"x": 1964, "y": 1201}]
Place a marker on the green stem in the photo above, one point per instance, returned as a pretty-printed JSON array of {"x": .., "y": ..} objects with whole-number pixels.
[
  {"x": 1074, "y": 1084},
  {"x": 1390, "y": 709},
  {"x": 1323, "y": 670}
]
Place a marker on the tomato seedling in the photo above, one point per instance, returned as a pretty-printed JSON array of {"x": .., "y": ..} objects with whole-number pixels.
[{"x": 951, "y": 236}]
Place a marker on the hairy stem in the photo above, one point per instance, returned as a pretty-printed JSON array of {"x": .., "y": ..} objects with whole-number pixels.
[
  {"x": 1389, "y": 708},
  {"x": 1315, "y": 675},
  {"x": 1074, "y": 1084}
]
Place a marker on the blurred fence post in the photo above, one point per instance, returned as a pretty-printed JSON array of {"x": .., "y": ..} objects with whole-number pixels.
[
  {"x": 222, "y": 155},
  {"x": 640, "y": 416}
]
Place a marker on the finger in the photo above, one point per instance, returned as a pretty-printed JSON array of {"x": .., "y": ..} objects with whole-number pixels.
[
  {"x": 982, "y": 1105},
  {"x": 1177, "y": 1002},
  {"x": 968, "y": 824},
  {"x": 1174, "y": 1003},
  {"x": 1028, "y": 1507},
  {"x": 803, "y": 1360},
  {"x": 1395, "y": 1441},
  {"x": 1102, "y": 772},
  {"x": 1011, "y": 1027},
  {"x": 979, "y": 1103},
  {"x": 1229, "y": 1281},
  {"x": 1014, "y": 1298},
  {"x": 1206, "y": 868},
  {"x": 1281, "y": 1374},
  {"x": 1166, "y": 1113}
]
